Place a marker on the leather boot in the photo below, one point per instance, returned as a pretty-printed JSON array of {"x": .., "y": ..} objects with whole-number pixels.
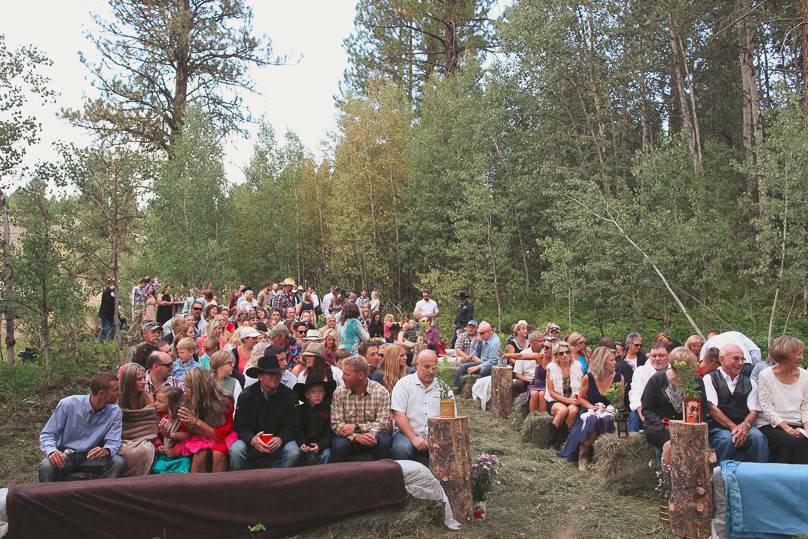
[
  {"x": 561, "y": 436},
  {"x": 553, "y": 435}
]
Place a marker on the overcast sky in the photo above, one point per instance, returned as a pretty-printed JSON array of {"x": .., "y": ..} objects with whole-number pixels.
[{"x": 297, "y": 96}]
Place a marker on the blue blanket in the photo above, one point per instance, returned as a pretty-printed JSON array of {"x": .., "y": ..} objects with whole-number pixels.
[{"x": 765, "y": 500}]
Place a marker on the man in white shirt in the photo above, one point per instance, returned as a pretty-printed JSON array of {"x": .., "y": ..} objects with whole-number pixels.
[
  {"x": 751, "y": 351},
  {"x": 733, "y": 407},
  {"x": 524, "y": 366},
  {"x": 657, "y": 362},
  {"x": 328, "y": 300},
  {"x": 415, "y": 399},
  {"x": 426, "y": 306}
]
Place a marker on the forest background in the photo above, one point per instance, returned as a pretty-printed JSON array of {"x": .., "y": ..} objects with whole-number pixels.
[{"x": 614, "y": 165}]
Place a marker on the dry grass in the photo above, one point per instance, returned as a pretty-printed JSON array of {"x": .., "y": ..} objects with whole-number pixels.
[
  {"x": 537, "y": 495},
  {"x": 624, "y": 462}
]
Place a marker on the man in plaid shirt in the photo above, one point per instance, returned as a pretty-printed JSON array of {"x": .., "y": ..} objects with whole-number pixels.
[
  {"x": 159, "y": 372},
  {"x": 466, "y": 345},
  {"x": 360, "y": 414}
]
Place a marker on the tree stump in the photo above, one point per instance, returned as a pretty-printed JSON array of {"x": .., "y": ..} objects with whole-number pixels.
[
  {"x": 501, "y": 397},
  {"x": 691, "y": 504},
  {"x": 466, "y": 383},
  {"x": 449, "y": 461}
]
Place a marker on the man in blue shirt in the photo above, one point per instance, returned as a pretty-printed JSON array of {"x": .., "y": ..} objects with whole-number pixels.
[
  {"x": 84, "y": 433},
  {"x": 489, "y": 355}
]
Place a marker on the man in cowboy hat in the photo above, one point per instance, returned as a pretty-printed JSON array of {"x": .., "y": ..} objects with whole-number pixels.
[
  {"x": 285, "y": 298},
  {"x": 264, "y": 418},
  {"x": 313, "y": 418}
]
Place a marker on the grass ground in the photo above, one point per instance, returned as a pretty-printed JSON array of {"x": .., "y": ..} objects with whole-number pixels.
[{"x": 537, "y": 494}]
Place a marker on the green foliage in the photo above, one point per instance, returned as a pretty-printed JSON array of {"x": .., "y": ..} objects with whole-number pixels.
[
  {"x": 615, "y": 395},
  {"x": 185, "y": 229}
]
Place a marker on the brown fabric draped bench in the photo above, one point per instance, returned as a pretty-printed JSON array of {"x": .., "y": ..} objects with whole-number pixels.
[{"x": 220, "y": 505}]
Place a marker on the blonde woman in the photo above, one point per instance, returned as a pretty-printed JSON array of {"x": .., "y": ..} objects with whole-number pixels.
[
  {"x": 564, "y": 376},
  {"x": 578, "y": 349},
  {"x": 602, "y": 374},
  {"x": 393, "y": 367},
  {"x": 375, "y": 301},
  {"x": 694, "y": 344}
]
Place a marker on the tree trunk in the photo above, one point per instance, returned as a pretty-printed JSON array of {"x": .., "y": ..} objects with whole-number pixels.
[
  {"x": 449, "y": 461},
  {"x": 687, "y": 100},
  {"x": 501, "y": 398},
  {"x": 691, "y": 504},
  {"x": 750, "y": 100},
  {"x": 492, "y": 252},
  {"x": 181, "y": 49},
  {"x": 8, "y": 292},
  {"x": 805, "y": 58}
]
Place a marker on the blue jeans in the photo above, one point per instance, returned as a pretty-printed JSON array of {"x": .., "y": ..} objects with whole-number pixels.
[
  {"x": 634, "y": 422},
  {"x": 485, "y": 370},
  {"x": 241, "y": 455},
  {"x": 107, "y": 332},
  {"x": 756, "y": 448},
  {"x": 402, "y": 449},
  {"x": 342, "y": 447}
]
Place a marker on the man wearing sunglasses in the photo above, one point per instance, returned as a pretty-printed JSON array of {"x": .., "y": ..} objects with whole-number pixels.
[
  {"x": 489, "y": 355},
  {"x": 158, "y": 374}
]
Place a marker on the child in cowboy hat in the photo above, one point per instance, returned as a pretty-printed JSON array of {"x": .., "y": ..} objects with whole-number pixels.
[{"x": 313, "y": 419}]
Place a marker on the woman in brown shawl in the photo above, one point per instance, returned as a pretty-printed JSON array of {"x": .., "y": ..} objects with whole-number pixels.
[{"x": 140, "y": 421}]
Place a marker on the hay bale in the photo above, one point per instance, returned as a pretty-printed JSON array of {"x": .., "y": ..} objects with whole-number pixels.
[
  {"x": 466, "y": 383},
  {"x": 623, "y": 464},
  {"x": 520, "y": 412},
  {"x": 536, "y": 429},
  {"x": 478, "y": 404}
]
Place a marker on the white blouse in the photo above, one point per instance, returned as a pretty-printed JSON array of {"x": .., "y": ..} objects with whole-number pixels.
[{"x": 782, "y": 402}]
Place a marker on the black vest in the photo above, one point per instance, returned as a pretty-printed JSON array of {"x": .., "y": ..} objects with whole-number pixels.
[{"x": 732, "y": 404}]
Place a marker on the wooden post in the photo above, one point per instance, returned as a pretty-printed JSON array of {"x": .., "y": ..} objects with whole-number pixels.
[
  {"x": 449, "y": 461},
  {"x": 501, "y": 397},
  {"x": 691, "y": 505}
]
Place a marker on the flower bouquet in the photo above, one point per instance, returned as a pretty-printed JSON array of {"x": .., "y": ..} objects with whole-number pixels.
[
  {"x": 615, "y": 395},
  {"x": 483, "y": 471}
]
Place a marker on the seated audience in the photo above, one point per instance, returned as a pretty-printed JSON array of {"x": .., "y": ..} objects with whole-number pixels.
[
  {"x": 783, "y": 396},
  {"x": 536, "y": 391},
  {"x": 431, "y": 335},
  {"x": 662, "y": 400},
  {"x": 312, "y": 419},
  {"x": 393, "y": 367},
  {"x": 579, "y": 349},
  {"x": 694, "y": 344},
  {"x": 415, "y": 398},
  {"x": 140, "y": 421},
  {"x": 732, "y": 408},
  {"x": 564, "y": 376},
  {"x": 657, "y": 362},
  {"x": 265, "y": 412},
  {"x": 710, "y": 362},
  {"x": 208, "y": 415},
  {"x": 593, "y": 419},
  {"x": 524, "y": 361},
  {"x": 751, "y": 351},
  {"x": 360, "y": 414},
  {"x": 629, "y": 358},
  {"x": 466, "y": 343},
  {"x": 331, "y": 340},
  {"x": 84, "y": 433},
  {"x": 315, "y": 364},
  {"x": 159, "y": 373},
  {"x": 518, "y": 341},
  {"x": 152, "y": 332},
  {"x": 186, "y": 347},
  {"x": 171, "y": 430},
  {"x": 489, "y": 355},
  {"x": 370, "y": 351},
  {"x": 221, "y": 368}
]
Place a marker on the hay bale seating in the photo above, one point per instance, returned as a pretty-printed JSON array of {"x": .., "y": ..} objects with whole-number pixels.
[
  {"x": 466, "y": 383},
  {"x": 536, "y": 429},
  {"x": 623, "y": 462},
  {"x": 520, "y": 412}
]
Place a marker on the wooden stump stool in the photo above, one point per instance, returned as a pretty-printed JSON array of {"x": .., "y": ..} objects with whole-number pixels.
[
  {"x": 449, "y": 461},
  {"x": 466, "y": 383},
  {"x": 501, "y": 395},
  {"x": 692, "y": 460}
]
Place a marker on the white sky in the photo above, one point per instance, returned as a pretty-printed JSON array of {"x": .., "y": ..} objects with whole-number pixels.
[{"x": 297, "y": 97}]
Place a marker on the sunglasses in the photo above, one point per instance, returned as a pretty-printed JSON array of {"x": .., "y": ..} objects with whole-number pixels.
[
  {"x": 197, "y": 309},
  {"x": 165, "y": 364}
]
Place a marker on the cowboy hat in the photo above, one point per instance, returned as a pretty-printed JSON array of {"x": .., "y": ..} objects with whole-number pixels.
[
  {"x": 268, "y": 364},
  {"x": 311, "y": 381},
  {"x": 288, "y": 282},
  {"x": 315, "y": 349},
  {"x": 313, "y": 335}
]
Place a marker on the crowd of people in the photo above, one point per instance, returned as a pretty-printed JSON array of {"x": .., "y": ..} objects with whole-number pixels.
[{"x": 257, "y": 381}]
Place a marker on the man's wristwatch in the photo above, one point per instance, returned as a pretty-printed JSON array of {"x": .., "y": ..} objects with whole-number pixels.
[{"x": 357, "y": 429}]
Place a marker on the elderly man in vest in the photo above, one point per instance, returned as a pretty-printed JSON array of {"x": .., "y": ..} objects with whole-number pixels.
[{"x": 731, "y": 399}]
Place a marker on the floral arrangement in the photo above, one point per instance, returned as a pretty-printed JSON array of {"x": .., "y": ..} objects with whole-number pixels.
[
  {"x": 483, "y": 471},
  {"x": 615, "y": 395},
  {"x": 689, "y": 376},
  {"x": 445, "y": 378}
]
